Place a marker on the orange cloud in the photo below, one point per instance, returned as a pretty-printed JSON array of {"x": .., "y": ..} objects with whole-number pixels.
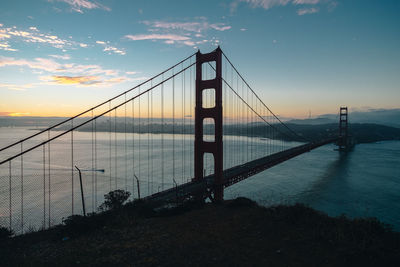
[
  {"x": 83, "y": 80},
  {"x": 18, "y": 114}
]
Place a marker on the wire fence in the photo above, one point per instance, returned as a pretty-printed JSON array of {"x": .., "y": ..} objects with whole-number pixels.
[
  {"x": 118, "y": 144},
  {"x": 142, "y": 137}
]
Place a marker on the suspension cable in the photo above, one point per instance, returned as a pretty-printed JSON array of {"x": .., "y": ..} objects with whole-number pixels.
[
  {"x": 99, "y": 105},
  {"x": 301, "y": 137}
]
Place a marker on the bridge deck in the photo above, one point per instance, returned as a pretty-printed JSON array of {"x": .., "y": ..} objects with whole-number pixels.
[{"x": 235, "y": 174}]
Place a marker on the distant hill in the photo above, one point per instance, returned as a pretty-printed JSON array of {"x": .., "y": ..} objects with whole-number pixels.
[
  {"x": 29, "y": 121},
  {"x": 362, "y": 132},
  {"x": 389, "y": 117},
  {"x": 315, "y": 121},
  {"x": 310, "y": 129}
]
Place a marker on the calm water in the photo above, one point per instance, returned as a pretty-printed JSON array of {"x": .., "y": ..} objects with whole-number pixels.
[{"x": 364, "y": 182}]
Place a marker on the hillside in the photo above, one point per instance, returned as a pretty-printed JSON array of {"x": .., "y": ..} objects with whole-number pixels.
[
  {"x": 235, "y": 233},
  {"x": 362, "y": 132}
]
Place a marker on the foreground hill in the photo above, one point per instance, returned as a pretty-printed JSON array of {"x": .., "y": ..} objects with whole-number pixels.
[{"x": 234, "y": 233}]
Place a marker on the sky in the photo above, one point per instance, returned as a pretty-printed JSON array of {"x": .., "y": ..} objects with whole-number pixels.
[{"x": 60, "y": 57}]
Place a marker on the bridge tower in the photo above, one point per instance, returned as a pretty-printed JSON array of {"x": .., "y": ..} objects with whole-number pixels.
[
  {"x": 343, "y": 142},
  {"x": 200, "y": 146}
]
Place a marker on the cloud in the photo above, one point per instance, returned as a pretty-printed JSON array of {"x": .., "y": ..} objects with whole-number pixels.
[
  {"x": 111, "y": 49},
  {"x": 4, "y": 35},
  {"x": 131, "y": 72},
  {"x": 82, "y": 81},
  {"x": 86, "y": 69},
  {"x": 268, "y": 4},
  {"x": 114, "y": 50},
  {"x": 16, "y": 87},
  {"x": 116, "y": 80},
  {"x": 140, "y": 78},
  {"x": 172, "y": 37},
  {"x": 187, "y": 33},
  {"x": 68, "y": 80},
  {"x": 304, "y": 11},
  {"x": 306, "y": 2},
  {"x": 189, "y": 43},
  {"x": 168, "y": 38},
  {"x": 33, "y": 35},
  {"x": 64, "y": 57},
  {"x": 6, "y": 47},
  {"x": 39, "y": 63},
  {"x": 220, "y": 27},
  {"x": 157, "y": 37},
  {"x": 198, "y": 27},
  {"x": 61, "y": 74},
  {"x": 18, "y": 114},
  {"x": 79, "y": 5}
]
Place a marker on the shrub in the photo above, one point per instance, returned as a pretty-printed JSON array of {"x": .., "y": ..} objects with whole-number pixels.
[
  {"x": 241, "y": 202},
  {"x": 5, "y": 233},
  {"x": 114, "y": 199},
  {"x": 76, "y": 224}
]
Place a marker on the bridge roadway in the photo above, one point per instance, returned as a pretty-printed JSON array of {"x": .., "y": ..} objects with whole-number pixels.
[{"x": 235, "y": 174}]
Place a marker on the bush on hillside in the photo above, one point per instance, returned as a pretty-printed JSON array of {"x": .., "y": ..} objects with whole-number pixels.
[{"x": 114, "y": 199}]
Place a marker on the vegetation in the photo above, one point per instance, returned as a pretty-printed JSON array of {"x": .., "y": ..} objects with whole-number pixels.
[
  {"x": 114, "y": 199},
  {"x": 5, "y": 233},
  {"x": 237, "y": 232}
]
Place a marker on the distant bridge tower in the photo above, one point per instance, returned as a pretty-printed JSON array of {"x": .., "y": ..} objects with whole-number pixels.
[
  {"x": 344, "y": 141},
  {"x": 200, "y": 146}
]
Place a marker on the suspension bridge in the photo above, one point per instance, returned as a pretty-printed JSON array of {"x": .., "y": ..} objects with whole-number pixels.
[{"x": 188, "y": 132}]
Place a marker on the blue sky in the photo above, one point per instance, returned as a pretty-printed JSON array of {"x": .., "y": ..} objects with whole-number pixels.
[{"x": 299, "y": 55}]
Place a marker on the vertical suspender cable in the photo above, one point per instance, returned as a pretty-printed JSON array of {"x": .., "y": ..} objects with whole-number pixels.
[
  {"x": 152, "y": 141},
  {"x": 22, "y": 190},
  {"x": 49, "y": 185},
  {"x": 72, "y": 168},
  {"x": 148, "y": 140},
  {"x": 173, "y": 125},
  {"x": 133, "y": 148},
  {"x": 109, "y": 154},
  {"x": 139, "y": 135},
  {"x": 126, "y": 151},
  {"x": 10, "y": 198},
  {"x": 191, "y": 119},
  {"x": 183, "y": 125},
  {"x": 115, "y": 149},
  {"x": 95, "y": 164},
  {"x": 93, "y": 172},
  {"x": 44, "y": 186},
  {"x": 162, "y": 133}
]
